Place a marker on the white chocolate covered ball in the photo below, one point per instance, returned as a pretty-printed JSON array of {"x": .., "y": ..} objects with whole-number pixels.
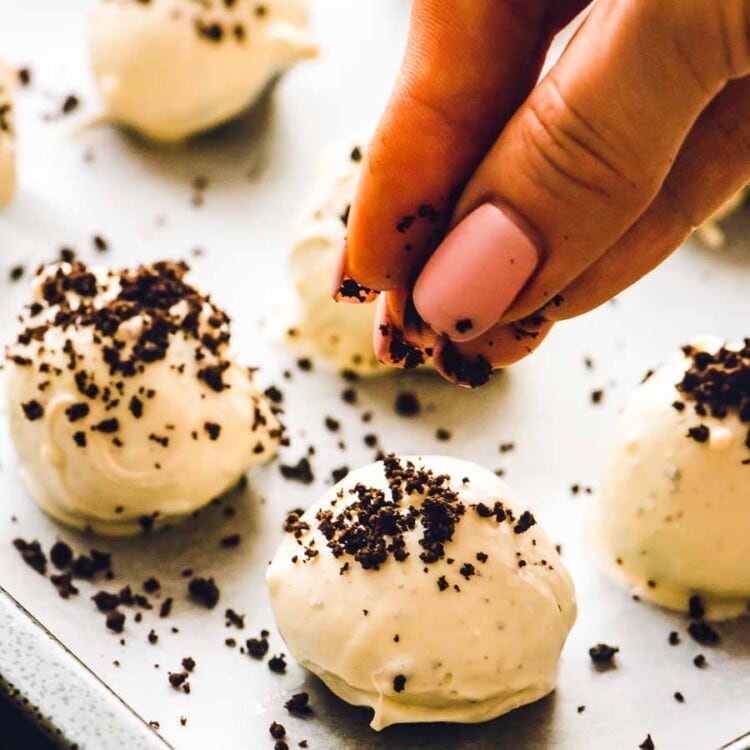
[
  {"x": 172, "y": 68},
  {"x": 672, "y": 516},
  {"x": 339, "y": 335},
  {"x": 126, "y": 406},
  {"x": 420, "y": 588}
]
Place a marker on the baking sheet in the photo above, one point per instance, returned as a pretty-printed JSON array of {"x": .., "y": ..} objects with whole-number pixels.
[
  {"x": 75, "y": 184},
  {"x": 53, "y": 689}
]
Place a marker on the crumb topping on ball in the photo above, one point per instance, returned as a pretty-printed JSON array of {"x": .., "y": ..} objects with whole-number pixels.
[
  {"x": 131, "y": 318},
  {"x": 716, "y": 384},
  {"x": 369, "y": 525}
]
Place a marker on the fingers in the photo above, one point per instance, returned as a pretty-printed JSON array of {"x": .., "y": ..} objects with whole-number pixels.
[
  {"x": 713, "y": 165},
  {"x": 470, "y": 364},
  {"x": 400, "y": 338},
  {"x": 577, "y": 165},
  {"x": 468, "y": 65}
]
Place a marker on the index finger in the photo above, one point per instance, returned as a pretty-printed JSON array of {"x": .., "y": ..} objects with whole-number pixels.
[{"x": 469, "y": 64}]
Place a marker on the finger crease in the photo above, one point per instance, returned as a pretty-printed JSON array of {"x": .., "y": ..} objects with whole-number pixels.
[
  {"x": 555, "y": 164},
  {"x": 596, "y": 154}
]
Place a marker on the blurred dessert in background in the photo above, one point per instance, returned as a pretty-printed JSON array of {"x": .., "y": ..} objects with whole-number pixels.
[
  {"x": 673, "y": 513},
  {"x": 172, "y": 68}
]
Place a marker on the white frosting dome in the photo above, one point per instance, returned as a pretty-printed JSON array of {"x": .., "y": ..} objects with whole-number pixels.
[
  {"x": 419, "y": 587},
  {"x": 339, "y": 334},
  {"x": 7, "y": 134},
  {"x": 126, "y": 408},
  {"x": 172, "y": 68},
  {"x": 672, "y": 517}
]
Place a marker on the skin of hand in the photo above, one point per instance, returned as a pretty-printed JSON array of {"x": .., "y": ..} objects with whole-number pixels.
[{"x": 493, "y": 204}]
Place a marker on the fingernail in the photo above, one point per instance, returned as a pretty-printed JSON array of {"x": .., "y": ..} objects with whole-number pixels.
[
  {"x": 465, "y": 371},
  {"x": 475, "y": 274},
  {"x": 346, "y": 289},
  {"x": 391, "y": 347}
]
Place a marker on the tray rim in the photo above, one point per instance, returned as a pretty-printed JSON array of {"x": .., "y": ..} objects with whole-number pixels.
[{"x": 58, "y": 661}]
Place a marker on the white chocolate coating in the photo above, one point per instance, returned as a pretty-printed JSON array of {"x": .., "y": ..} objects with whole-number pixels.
[
  {"x": 467, "y": 655},
  {"x": 7, "y": 134},
  {"x": 155, "y": 467},
  {"x": 673, "y": 511},
  {"x": 338, "y": 334},
  {"x": 172, "y": 68}
]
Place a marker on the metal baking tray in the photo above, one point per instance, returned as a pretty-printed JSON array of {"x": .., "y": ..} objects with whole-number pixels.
[{"x": 75, "y": 183}]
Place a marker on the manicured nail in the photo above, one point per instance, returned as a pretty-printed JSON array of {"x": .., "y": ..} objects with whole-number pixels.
[
  {"x": 391, "y": 347},
  {"x": 346, "y": 289},
  {"x": 460, "y": 369},
  {"x": 475, "y": 274}
]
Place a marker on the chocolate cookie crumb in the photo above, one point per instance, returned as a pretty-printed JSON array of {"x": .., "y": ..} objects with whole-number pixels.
[
  {"x": 257, "y": 647},
  {"x": 696, "y": 608},
  {"x": 700, "y": 434},
  {"x": 177, "y": 679},
  {"x": 277, "y": 664},
  {"x": 603, "y": 654},
  {"x": 204, "y": 591},
  {"x": 407, "y": 404},
  {"x": 105, "y": 601},
  {"x": 299, "y": 472},
  {"x": 166, "y": 608},
  {"x": 701, "y": 632},
  {"x": 116, "y": 621},
  {"x": 33, "y": 410},
  {"x": 299, "y": 705},
  {"x": 32, "y": 554}
]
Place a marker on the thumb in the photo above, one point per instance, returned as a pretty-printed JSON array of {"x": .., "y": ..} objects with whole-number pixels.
[{"x": 579, "y": 162}]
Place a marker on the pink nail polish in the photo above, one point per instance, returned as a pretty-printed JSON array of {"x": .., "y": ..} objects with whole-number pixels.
[
  {"x": 475, "y": 274},
  {"x": 346, "y": 289}
]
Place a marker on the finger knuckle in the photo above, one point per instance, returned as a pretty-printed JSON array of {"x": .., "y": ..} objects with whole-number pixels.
[{"x": 568, "y": 153}]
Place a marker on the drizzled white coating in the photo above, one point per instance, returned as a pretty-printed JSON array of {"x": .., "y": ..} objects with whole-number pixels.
[
  {"x": 467, "y": 655},
  {"x": 123, "y": 481},
  {"x": 338, "y": 334},
  {"x": 672, "y": 516},
  {"x": 172, "y": 68}
]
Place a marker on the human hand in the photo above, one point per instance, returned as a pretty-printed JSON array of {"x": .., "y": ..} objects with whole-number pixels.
[{"x": 556, "y": 195}]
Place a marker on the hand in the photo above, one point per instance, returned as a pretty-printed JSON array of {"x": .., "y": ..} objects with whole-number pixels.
[{"x": 556, "y": 194}]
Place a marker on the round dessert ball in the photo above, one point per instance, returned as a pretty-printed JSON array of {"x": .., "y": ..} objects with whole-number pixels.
[
  {"x": 7, "y": 134},
  {"x": 126, "y": 406},
  {"x": 672, "y": 516},
  {"x": 339, "y": 335},
  {"x": 172, "y": 68},
  {"x": 420, "y": 588}
]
